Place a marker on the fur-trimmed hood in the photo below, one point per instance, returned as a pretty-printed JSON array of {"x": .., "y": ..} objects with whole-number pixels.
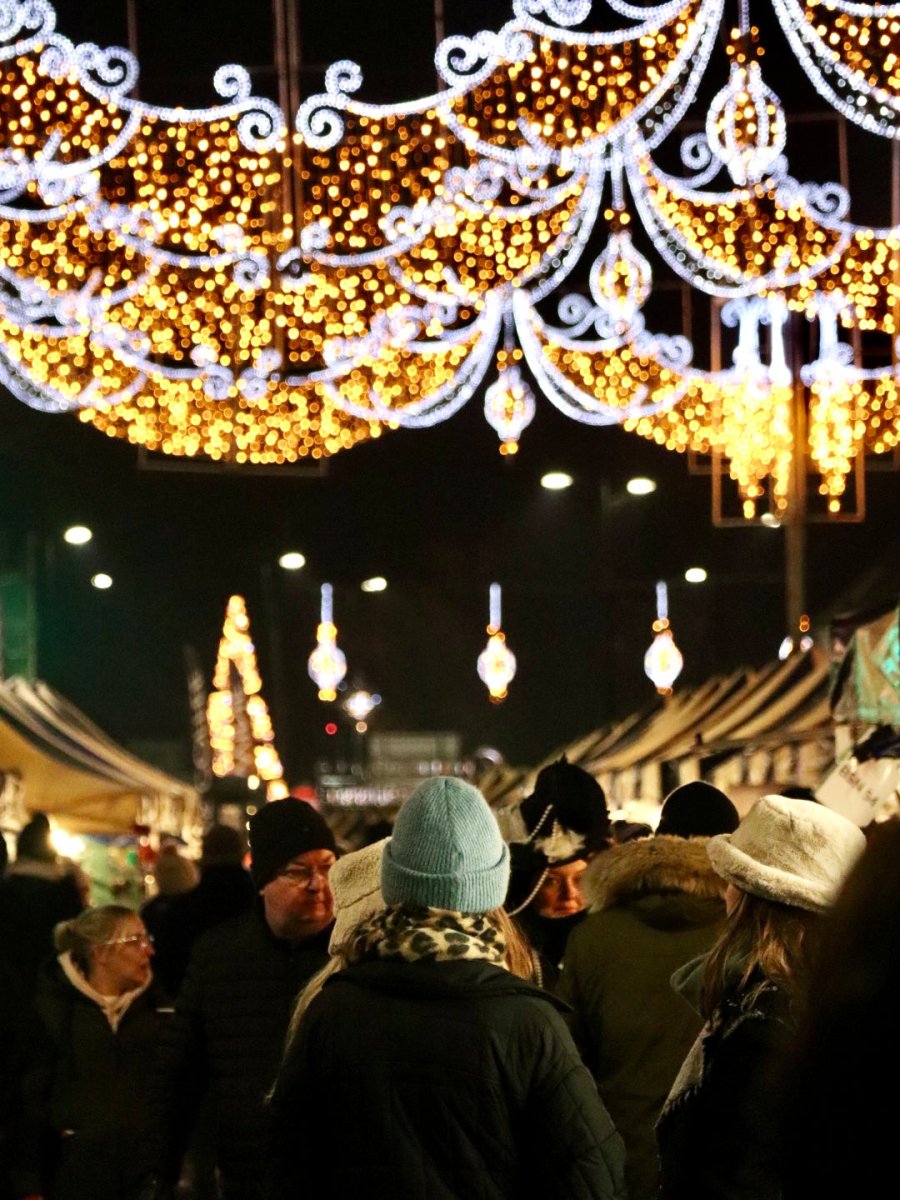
[{"x": 649, "y": 866}]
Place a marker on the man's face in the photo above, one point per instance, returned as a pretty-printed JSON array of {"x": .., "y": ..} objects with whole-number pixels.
[
  {"x": 560, "y": 893},
  {"x": 298, "y": 901}
]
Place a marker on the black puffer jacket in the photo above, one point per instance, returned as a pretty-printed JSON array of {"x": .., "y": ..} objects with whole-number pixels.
[
  {"x": 440, "y": 1080},
  {"x": 84, "y": 1093},
  {"x": 228, "y": 1034}
]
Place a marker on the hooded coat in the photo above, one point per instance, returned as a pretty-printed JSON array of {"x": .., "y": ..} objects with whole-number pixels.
[
  {"x": 84, "y": 1092},
  {"x": 446, "y": 1080},
  {"x": 654, "y": 904}
]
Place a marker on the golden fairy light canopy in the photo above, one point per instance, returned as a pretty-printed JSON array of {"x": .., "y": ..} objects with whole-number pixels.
[{"x": 212, "y": 282}]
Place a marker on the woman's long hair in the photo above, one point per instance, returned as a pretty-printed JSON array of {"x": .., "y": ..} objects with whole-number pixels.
[
  {"x": 519, "y": 960},
  {"x": 775, "y": 941},
  {"x": 80, "y": 935}
]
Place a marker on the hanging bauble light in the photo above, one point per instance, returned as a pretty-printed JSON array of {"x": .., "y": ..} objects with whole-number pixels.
[
  {"x": 663, "y": 661},
  {"x": 327, "y": 664},
  {"x": 496, "y": 662}
]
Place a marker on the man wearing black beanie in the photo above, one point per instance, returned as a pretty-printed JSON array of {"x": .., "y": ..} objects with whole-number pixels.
[{"x": 231, "y": 1016}]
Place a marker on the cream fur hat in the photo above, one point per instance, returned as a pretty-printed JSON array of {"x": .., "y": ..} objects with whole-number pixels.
[
  {"x": 355, "y": 882},
  {"x": 794, "y": 852}
]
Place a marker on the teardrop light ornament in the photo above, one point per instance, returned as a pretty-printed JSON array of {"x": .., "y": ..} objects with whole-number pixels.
[
  {"x": 621, "y": 279},
  {"x": 509, "y": 405},
  {"x": 327, "y": 664},
  {"x": 745, "y": 125},
  {"x": 663, "y": 661},
  {"x": 496, "y": 663}
]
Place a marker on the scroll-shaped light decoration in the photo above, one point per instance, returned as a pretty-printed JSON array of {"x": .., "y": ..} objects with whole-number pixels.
[
  {"x": 496, "y": 662},
  {"x": 663, "y": 661},
  {"x": 327, "y": 664}
]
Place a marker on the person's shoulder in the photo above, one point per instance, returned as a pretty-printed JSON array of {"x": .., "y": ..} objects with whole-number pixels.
[{"x": 227, "y": 936}]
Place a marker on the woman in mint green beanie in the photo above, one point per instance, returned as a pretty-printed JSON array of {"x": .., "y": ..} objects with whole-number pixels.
[{"x": 427, "y": 1068}]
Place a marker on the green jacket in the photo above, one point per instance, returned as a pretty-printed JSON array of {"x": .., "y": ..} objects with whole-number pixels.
[{"x": 655, "y": 903}]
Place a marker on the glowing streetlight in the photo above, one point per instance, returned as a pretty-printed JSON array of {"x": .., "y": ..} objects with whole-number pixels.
[
  {"x": 360, "y": 704},
  {"x": 695, "y": 575},
  {"x": 640, "y": 486},
  {"x": 376, "y": 584},
  {"x": 556, "y": 481},
  {"x": 292, "y": 560},
  {"x": 102, "y": 581},
  {"x": 78, "y": 535}
]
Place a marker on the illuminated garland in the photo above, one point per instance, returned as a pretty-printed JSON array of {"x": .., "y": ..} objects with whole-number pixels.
[{"x": 154, "y": 277}]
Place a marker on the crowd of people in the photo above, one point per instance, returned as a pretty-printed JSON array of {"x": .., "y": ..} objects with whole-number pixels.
[{"x": 569, "y": 1008}]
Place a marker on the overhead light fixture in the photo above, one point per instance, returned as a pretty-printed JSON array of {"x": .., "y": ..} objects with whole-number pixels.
[
  {"x": 78, "y": 535},
  {"x": 556, "y": 481},
  {"x": 695, "y": 575},
  {"x": 770, "y": 521},
  {"x": 640, "y": 486},
  {"x": 292, "y": 560},
  {"x": 101, "y": 581},
  {"x": 376, "y": 584}
]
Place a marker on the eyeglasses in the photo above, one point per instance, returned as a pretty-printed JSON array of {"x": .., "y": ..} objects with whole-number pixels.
[
  {"x": 137, "y": 939},
  {"x": 302, "y": 877}
]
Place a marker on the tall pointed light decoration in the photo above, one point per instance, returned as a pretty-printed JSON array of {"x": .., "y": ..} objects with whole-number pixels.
[
  {"x": 327, "y": 664},
  {"x": 496, "y": 662},
  {"x": 663, "y": 661},
  {"x": 241, "y": 736}
]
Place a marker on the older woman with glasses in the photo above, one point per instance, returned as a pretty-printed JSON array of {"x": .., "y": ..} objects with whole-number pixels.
[{"x": 98, "y": 1018}]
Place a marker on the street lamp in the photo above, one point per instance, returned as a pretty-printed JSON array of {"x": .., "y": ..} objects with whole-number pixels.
[
  {"x": 376, "y": 584},
  {"x": 292, "y": 560},
  {"x": 556, "y": 481},
  {"x": 695, "y": 575},
  {"x": 78, "y": 535},
  {"x": 640, "y": 486},
  {"x": 102, "y": 581}
]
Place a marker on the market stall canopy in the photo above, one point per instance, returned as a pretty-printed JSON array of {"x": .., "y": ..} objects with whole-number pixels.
[
  {"x": 867, "y": 687},
  {"x": 748, "y": 728},
  {"x": 62, "y": 764}
]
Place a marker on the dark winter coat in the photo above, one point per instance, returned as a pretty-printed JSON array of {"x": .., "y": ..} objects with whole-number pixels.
[
  {"x": 228, "y": 1034},
  {"x": 224, "y": 891},
  {"x": 34, "y": 897},
  {"x": 718, "y": 1132},
  {"x": 440, "y": 1080},
  {"x": 655, "y": 904},
  {"x": 84, "y": 1093}
]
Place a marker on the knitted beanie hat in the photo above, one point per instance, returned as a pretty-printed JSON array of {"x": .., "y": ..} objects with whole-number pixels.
[
  {"x": 789, "y": 851},
  {"x": 697, "y": 809},
  {"x": 281, "y": 830},
  {"x": 446, "y": 850},
  {"x": 355, "y": 882}
]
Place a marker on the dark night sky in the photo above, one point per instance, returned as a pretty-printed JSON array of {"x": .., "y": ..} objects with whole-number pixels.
[{"x": 438, "y": 512}]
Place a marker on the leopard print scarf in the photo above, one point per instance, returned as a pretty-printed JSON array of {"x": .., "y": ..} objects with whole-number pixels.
[{"x": 427, "y": 935}]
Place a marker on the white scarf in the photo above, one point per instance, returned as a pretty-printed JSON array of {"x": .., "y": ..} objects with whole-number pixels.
[{"x": 114, "y": 1007}]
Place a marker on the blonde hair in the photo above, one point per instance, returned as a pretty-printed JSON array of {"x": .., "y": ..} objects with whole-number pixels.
[
  {"x": 776, "y": 941},
  {"x": 78, "y": 936}
]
